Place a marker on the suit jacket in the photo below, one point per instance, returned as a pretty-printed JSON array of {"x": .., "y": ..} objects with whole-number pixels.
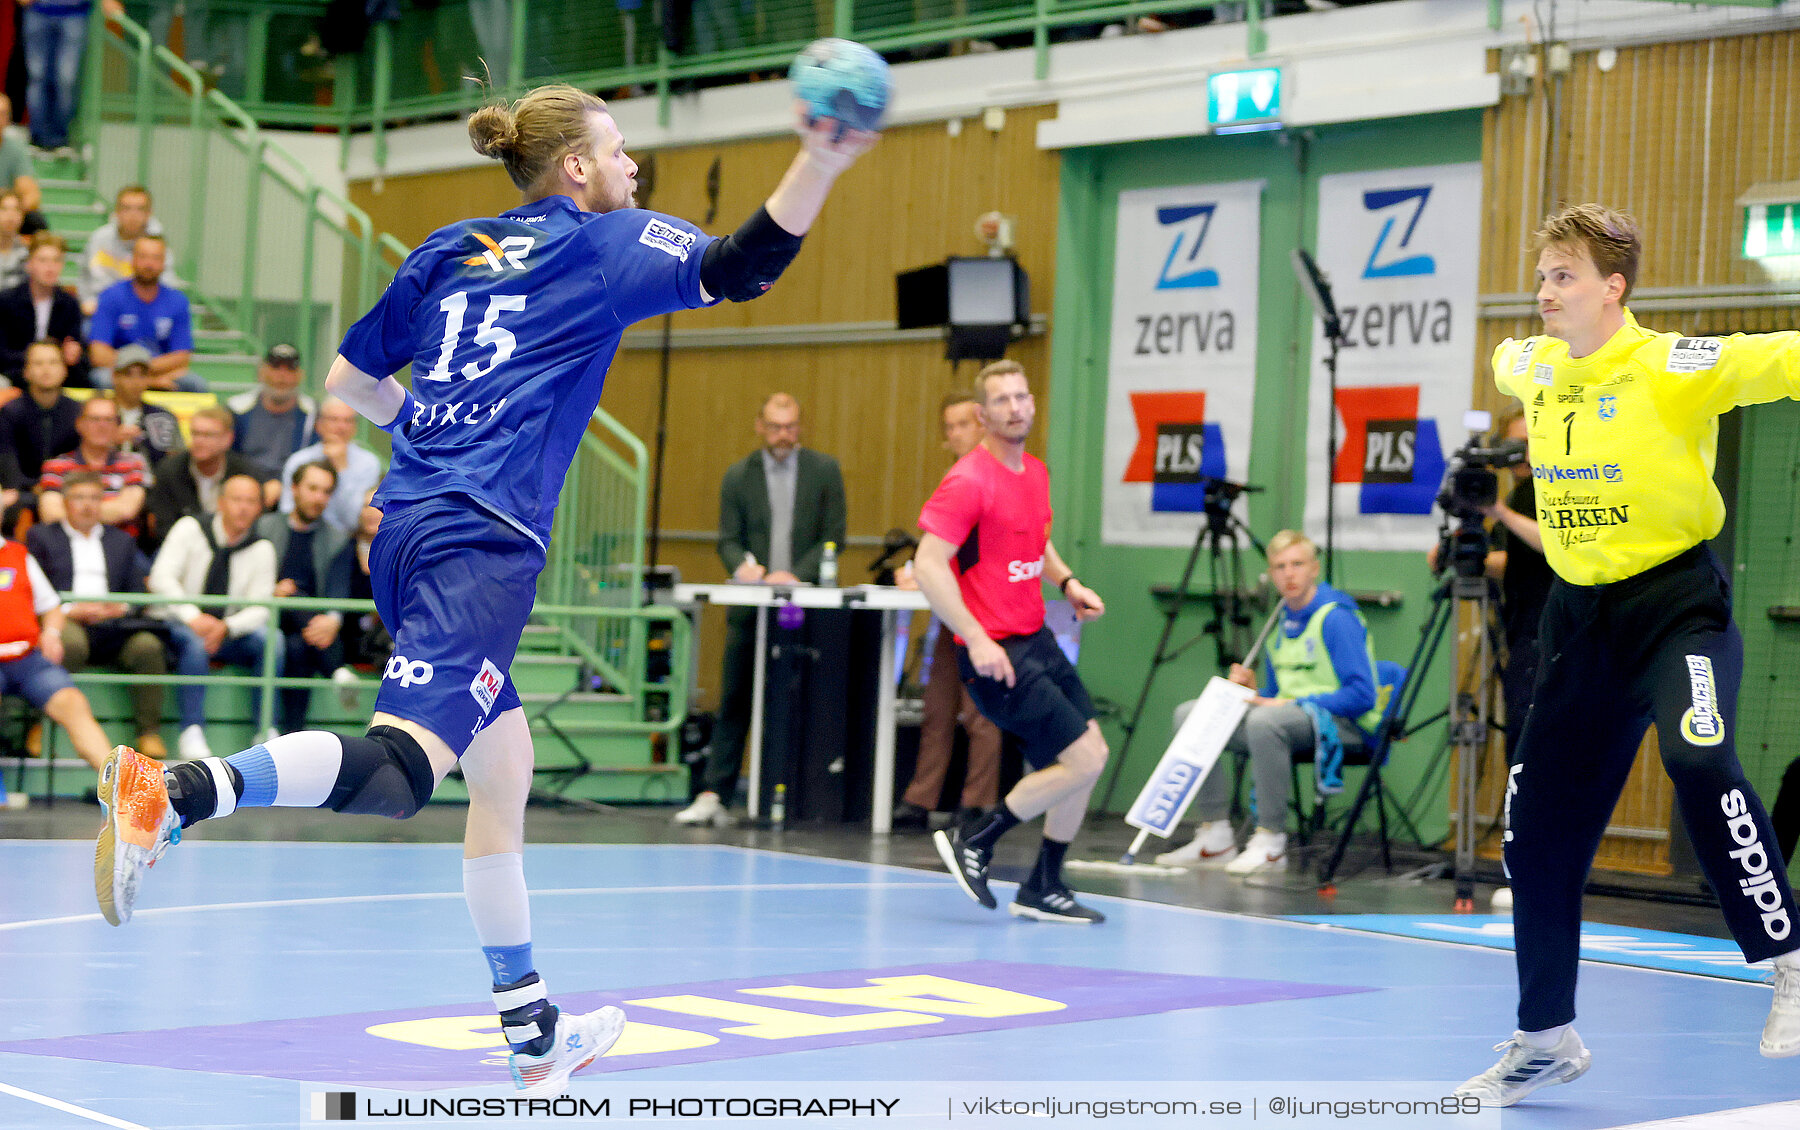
[
  {"x": 49, "y": 543},
  {"x": 174, "y": 496},
  {"x": 819, "y": 511},
  {"x": 18, "y": 329}
]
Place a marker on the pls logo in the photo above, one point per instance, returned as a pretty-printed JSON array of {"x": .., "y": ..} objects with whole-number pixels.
[
  {"x": 1181, "y": 269},
  {"x": 1389, "y": 258},
  {"x": 1177, "y": 450},
  {"x": 1389, "y": 450}
]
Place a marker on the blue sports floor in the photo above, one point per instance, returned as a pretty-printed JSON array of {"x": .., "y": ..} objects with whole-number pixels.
[{"x": 256, "y": 974}]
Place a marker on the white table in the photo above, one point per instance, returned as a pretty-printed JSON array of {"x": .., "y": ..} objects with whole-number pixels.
[{"x": 882, "y": 598}]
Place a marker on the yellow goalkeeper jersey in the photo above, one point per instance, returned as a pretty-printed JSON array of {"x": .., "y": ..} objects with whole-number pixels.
[{"x": 1623, "y": 440}]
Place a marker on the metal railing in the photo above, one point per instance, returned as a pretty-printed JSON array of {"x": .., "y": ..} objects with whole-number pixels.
[
  {"x": 268, "y": 680},
  {"x": 253, "y": 236}
]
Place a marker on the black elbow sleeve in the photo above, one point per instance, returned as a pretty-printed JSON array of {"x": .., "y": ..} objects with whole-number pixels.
[{"x": 749, "y": 260}]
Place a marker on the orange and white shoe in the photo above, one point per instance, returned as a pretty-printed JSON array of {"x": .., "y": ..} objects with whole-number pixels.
[{"x": 140, "y": 826}]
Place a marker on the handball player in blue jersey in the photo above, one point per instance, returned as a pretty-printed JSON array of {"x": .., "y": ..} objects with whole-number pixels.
[{"x": 506, "y": 325}]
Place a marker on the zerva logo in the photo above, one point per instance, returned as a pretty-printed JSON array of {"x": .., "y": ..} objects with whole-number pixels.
[
  {"x": 1400, "y": 209},
  {"x": 1181, "y": 269}
]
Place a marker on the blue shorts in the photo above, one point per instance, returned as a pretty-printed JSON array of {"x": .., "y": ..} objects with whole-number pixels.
[
  {"x": 455, "y": 586},
  {"x": 33, "y": 678}
]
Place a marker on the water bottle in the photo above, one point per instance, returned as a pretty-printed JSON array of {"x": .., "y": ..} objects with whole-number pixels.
[
  {"x": 778, "y": 810},
  {"x": 828, "y": 566}
]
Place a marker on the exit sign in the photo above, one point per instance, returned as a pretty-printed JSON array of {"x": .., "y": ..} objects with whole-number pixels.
[
  {"x": 1771, "y": 230},
  {"x": 1244, "y": 100}
]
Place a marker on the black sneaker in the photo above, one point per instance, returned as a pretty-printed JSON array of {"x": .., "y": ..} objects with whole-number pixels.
[
  {"x": 1054, "y": 905},
  {"x": 909, "y": 817},
  {"x": 968, "y": 865}
]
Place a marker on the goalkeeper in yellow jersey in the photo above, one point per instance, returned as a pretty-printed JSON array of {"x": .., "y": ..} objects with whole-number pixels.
[{"x": 1638, "y": 629}]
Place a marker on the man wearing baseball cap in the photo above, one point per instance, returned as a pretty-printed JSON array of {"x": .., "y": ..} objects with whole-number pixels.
[
  {"x": 275, "y": 419},
  {"x": 146, "y": 429}
]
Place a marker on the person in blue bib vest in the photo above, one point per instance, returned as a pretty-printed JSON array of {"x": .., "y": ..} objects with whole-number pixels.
[{"x": 1317, "y": 691}]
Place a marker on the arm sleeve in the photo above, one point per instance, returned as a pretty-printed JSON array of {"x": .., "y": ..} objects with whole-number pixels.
[
  {"x": 1346, "y": 643},
  {"x": 165, "y": 572},
  {"x": 650, "y": 263},
  {"x": 43, "y": 593},
  {"x": 1714, "y": 375},
  {"x": 105, "y": 325},
  {"x": 381, "y": 342},
  {"x": 835, "y": 512},
  {"x": 953, "y": 508},
  {"x": 1512, "y": 365},
  {"x": 733, "y": 542},
  {"x": 259, "y": 562},
  {"x": 181, "y": 329}
]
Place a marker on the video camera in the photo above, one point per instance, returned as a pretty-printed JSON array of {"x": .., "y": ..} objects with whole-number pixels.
[{"x": 1468, "y": 488}]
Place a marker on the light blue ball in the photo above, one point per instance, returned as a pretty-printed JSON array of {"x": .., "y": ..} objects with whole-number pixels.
[{"x": 841, "y": 80}]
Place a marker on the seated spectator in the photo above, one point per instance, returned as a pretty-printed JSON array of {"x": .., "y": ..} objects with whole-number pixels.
[
  {"x": 142, "y": 310},
  {"x": 275, "y": 419},
  {"x": 39, "y": 309},
  {"x": 225, "y": 557},
  {"x": 358, "y": 469},
  {"x": 13, "y": 246},
  {"x": 187, "y": 484},
  {"x": 37, "y": 426},
  {"x": 31, "y": 649},
  {"x": 84, "y": 557},
  {"x": 310, "y": 560},
  {"x": 123, "y": 474},
  {"x": 1303, "y": 704},
  {"x": 147, "y": 429},
  {"x": 16, "y": 172},
  {"x": 108, "y": 259}
]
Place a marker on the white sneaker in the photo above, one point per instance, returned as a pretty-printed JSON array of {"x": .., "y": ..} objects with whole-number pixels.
[
  {"x": 1781, "y": 1032},
  {"x": 1214, "y": 845},
  {"x": 349, "y": 687},
  {"x": 706, "y": 809},
  {"x": 580, "y": 1040},
  {"x": 191, "y": 746},
  {"x": 1523, "y": 1069},
  {"x": 1266, "y": 849}
]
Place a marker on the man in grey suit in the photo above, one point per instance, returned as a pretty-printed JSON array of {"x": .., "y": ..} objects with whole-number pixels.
[{"x": 777, "y": 509}]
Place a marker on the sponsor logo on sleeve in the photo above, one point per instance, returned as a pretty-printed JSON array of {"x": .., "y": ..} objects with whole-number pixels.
[
  {"x": 1523, "y": 361},
  {"x": 1695, "y": 354},
  {"x": 667, "y": 238}
]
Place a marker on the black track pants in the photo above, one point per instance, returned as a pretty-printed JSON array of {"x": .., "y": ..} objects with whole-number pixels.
[{"x": 1658, "y": 647}]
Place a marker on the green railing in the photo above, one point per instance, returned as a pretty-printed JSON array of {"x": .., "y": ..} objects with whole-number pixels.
[
  {"x": 675, "y": 688},
  {"x": 419, "y": 66},
  {"x": 260, "y": 243}
]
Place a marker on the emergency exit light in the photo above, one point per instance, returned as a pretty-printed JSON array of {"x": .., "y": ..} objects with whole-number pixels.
[{"x": 1239, "y": 101}]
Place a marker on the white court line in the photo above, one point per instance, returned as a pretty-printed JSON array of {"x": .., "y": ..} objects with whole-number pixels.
[
  {"x": 70, "y": 1108},
  {"x": 430, "y": 896},
  {"x": 1774, "y": 1116}
]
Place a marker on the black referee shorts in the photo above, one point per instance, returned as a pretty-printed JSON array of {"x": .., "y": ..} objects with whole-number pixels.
[{"x": 1046, "y": 708}]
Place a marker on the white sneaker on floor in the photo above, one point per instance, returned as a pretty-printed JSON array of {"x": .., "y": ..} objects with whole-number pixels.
[
  {"x": 705, "y": 810},
  {"x": 1214, "y": 845},
  {"x": 580, "y": 1040},
  {"x": 191, "y": 746},
  {"x": 1781, "y": 1032},
  {"x": 1265, "y": 851},
  {"x": 1524, "y": 1069}
]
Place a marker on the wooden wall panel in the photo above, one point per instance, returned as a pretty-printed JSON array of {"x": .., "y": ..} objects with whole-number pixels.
[
  {"x": 1673, "y": 134},
  {"x": 912, "y": 201}
]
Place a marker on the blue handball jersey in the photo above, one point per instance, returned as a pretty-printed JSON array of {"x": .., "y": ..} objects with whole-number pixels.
[{"x": 509, "y": 324}]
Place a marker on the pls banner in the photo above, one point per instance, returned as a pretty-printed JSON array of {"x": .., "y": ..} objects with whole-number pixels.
[
  {"x": 1400, "y": 248},
  {"x": 1182, "y": 368}
]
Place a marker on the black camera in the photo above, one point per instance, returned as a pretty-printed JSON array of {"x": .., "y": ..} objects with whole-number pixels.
[{"x": 1468, "y": 488}]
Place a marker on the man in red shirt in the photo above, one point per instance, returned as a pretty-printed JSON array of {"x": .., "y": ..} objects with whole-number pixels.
[
  {"x": 123, "y": 474},
  {"x": 985, "y": 547}
]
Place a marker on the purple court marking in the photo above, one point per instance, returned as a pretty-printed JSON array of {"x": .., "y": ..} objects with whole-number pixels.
[{"x": 340, "y": 1049}]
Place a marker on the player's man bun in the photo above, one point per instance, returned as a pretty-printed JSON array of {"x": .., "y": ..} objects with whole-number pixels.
[{"x": 531, "y": 135}]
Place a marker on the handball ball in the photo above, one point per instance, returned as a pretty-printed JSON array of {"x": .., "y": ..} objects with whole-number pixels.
[{"x": 843, "y": 81}]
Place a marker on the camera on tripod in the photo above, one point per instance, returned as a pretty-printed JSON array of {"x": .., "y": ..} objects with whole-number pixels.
[{"x": 1469, "y": 488}]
